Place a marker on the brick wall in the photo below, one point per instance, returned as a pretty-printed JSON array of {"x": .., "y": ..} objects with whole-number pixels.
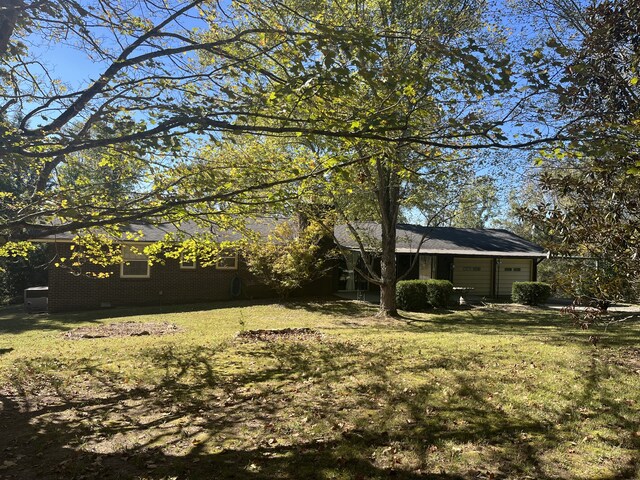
[{"x": 168, "y": 284}]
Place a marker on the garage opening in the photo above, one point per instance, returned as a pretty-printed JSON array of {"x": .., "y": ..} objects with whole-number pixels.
[
  {"x": 474, "y": 273},
  {"x": 509, "y": 271}
]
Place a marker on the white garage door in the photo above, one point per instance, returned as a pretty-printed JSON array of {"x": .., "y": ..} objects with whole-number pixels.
[
  {"x": 512, "y": 270},
  {"x": 473, "y": 273}
]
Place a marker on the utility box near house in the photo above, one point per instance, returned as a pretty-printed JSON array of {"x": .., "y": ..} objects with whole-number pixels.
[{"x": 36, "y": 299}]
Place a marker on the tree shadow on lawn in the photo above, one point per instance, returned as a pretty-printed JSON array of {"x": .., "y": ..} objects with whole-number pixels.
[
  {"x": 14, "y": 320},
  {"x": 333, "y": 307},
  {"x": 276, "y": 410},
  {"x": 550, "y": 326},
  {"x": 546, "y": 325},
  {"x": 339, "y": 307},
  {"x": 449, "y": 317}
]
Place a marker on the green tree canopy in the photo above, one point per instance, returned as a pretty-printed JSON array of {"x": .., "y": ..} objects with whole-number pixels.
[{"x": 589, "y": 188}]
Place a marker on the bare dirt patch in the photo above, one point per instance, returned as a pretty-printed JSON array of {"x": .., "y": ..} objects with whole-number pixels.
[
  {"x": 124, "y": 329},
  {"x": 296, "y": 334}
]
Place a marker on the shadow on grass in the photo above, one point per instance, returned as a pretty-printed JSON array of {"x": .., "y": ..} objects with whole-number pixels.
[
  {"x": 284, "y": 410},
  {"x": 546, "y": 325},
  {"x": 339, "y": 307},
  {"x": 14, "y": 320},
  {"x": 333, "y": 306},
  {"x": 550, "y": 326}
]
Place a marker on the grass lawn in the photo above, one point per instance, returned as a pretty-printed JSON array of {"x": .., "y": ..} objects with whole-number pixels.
[{"x": 485, "y": 393}]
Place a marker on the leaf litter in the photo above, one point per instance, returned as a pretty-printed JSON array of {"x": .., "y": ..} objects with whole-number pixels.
[
  {"x": 297, "y": 334},
  {"x": 123, "y": 329}
]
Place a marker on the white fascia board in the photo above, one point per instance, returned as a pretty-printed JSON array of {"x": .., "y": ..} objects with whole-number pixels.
[{"x": 473, "y": 253}]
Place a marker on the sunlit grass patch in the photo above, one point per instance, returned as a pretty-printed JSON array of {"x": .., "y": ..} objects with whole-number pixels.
[{"x": 479, "y": 393}]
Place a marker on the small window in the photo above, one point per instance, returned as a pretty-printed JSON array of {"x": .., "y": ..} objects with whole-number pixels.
[
  {"x": 187, "y": 263},
  {"x": 228, "y": 262},
  {"x": 508, "y": 269},
  {"x": 516, "y": 269},
  {"x": 135, "y": 264},
  {"x": 471, "y": 269}
]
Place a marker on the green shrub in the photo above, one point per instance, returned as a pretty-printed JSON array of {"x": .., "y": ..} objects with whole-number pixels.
[
  {"x": 530, "y": 293},
  {"x": 416, "y": 295},
  {"x": 439, "y": 292},
  {"x": 411, "y": 295}
]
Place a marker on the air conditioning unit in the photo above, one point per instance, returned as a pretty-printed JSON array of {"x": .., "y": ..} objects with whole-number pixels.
[{"x": 36, "y": 299}]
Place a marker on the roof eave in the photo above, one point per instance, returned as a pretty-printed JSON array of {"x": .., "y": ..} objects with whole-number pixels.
[{"x": 471, "y": 253}]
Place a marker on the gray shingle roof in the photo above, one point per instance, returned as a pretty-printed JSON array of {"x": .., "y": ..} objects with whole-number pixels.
[
  {"x": 435, "y": 240},
  {"x": 157, "y": 232},
  {"x": 444, "y": 240}
]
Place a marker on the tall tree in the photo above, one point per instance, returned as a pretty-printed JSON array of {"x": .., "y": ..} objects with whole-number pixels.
[
  {"x": 421, "y": 73},
  {"x": 590, "y": 188},
  {"x": 425, "y": 70},
  {"x": 477, "y": 203}
]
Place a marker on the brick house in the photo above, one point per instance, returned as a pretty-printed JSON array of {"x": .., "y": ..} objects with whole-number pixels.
[
  {"x": 485, "y": 261},
  {"x": 175, "y": 281}
]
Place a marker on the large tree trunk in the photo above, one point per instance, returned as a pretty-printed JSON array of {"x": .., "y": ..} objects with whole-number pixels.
[
  {"x": 388, "y": 306},
  {"x": 388, "y": 201}
]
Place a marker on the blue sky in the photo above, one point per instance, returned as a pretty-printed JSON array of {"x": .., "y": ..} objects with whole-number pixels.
[{"x": 74, "y": 67}]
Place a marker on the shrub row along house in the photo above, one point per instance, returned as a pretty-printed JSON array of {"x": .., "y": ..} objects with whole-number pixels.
[{"x": 487, "y": 261}]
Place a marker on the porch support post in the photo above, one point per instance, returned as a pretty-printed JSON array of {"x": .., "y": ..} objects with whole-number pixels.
[{"x": 494, "y": 279}]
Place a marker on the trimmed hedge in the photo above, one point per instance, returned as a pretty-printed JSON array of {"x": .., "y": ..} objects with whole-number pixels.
[
  {"x": 411, "y": 295},
  {"x": 530, "y": 293},
  {"x": 439, "y": 293},
  {"x": 416, "y": 295}
]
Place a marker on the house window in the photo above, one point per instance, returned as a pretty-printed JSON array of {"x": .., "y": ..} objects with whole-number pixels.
[
  {"x": 135, "y": 264},
  {"x": 471, "y": 269},
  {"x": 187, "y": 263},
  {"x": 350, "y": 280},
  {"x": 508, "y": 269},
  {"x": 228, "y": 261}
]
